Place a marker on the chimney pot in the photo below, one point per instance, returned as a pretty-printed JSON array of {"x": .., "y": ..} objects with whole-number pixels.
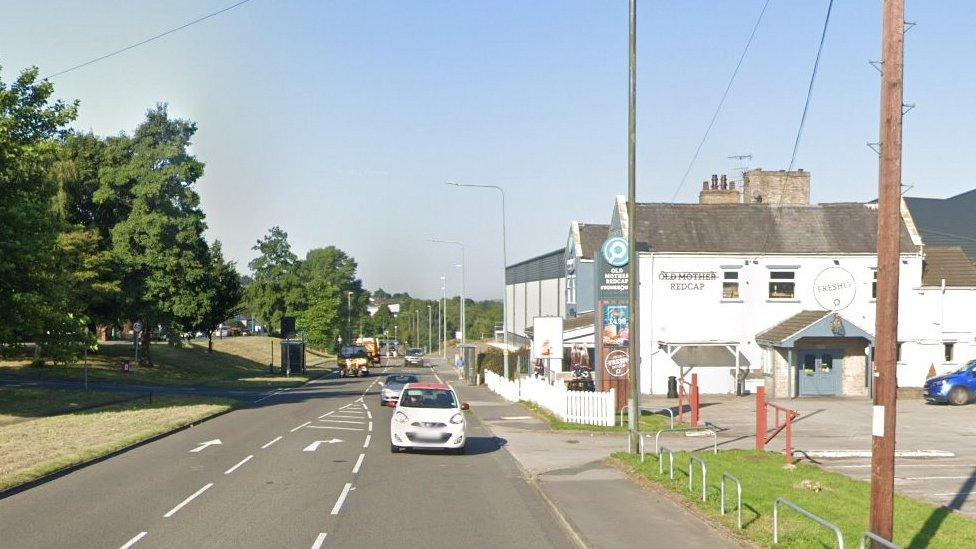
[
  {"x": 714, "y": 181},
  {"x": 705, "y": 185},
  {"x": 732, "y": 185},
  {"x": 725, "y": 182}
]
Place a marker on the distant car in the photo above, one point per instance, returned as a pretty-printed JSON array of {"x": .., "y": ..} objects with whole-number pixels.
[
  {"x": 414, "y": 357},
  {"x": 392, "y": 386},
  {"x": 428, "y": 415},
  {"x": 956, "y": 388}
]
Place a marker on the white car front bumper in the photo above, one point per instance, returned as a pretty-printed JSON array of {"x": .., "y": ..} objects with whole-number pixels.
[{"x": 406, "y": 435}]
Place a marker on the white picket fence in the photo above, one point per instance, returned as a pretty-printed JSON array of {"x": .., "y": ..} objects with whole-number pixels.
[{"x": 587, "y": 407}]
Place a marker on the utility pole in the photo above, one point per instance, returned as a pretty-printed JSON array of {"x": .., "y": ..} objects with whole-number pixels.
[
  {"x": 428, "y": 328},
  {"x": 416, "y": 327},
  {"x": 889, "y": 248},
  {"x": 633, "y": 341},
  {"x": 349, "y": 318},
  {"x": 444, "y": 317}
]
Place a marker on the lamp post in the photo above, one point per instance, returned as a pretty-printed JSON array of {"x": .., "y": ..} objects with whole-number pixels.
[
  {"x": 461, "y": 266},
  {"x": 444, "y": 317},
  {"x": 428, "y": 327},
  {"x": 504, "y": 269},
  {"x": 349, "y": 317}
]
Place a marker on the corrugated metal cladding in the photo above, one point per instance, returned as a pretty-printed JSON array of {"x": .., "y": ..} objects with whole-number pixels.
[{"x": 543, "y": 267}]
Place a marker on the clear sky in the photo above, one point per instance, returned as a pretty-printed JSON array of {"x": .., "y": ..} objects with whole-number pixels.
[{"x": 340, "y": 121}]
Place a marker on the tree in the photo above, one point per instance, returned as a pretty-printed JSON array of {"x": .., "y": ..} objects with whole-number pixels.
[
  {"x": 223, "y": 291},
  {"x": 327, "y": 274},
  {"x": 159, "y": 241},
  {"x": 273, "y": 272},
  {"x": 32, "y": 301},
  {"x": 321, "y": 320}
]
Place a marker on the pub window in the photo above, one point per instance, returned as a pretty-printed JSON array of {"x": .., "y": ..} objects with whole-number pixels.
[
  {"x": 782, "y": 285},
  {"x": 730, "y": 285},
  {"x": 874, "y": 286},
  {"x": 949, "y": 351}
]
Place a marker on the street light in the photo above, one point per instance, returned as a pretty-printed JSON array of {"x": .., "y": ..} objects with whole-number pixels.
[
  {"x": 349, "y": 317},
  {"x": 504, "y": 269},
  {"x": 444, "y": 316},
  {"x": 428, "y": 328},
  {"x": 456, "y": 243}
]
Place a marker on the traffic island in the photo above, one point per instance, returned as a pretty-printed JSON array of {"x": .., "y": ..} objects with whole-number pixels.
[{"x": 837, "y": 499}]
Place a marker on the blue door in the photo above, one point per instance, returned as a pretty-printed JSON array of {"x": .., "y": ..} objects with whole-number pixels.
[{"x": 819, "y": 372}]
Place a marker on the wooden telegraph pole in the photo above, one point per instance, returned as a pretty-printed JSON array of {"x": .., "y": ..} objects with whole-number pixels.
[
  {"x": 889, "y": 246},
  {"x": 633, "y": 281}
]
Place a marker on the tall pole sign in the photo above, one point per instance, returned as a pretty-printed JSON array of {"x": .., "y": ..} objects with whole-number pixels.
[
  {"x": 613, "y": 320},
  {"x": 632, "y": 272},
  {"x": 889, "y": 246}
]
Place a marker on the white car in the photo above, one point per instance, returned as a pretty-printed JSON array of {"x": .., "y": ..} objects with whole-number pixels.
[{"x": 428, "y": 415}]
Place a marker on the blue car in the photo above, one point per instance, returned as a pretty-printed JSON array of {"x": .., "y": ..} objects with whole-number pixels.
[{"x": 957, "y": 388}]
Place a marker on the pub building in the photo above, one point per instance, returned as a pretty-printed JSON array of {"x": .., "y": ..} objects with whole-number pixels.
[{"x": 761, "y": 288}]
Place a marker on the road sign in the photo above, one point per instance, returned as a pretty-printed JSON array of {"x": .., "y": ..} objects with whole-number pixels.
[{"x": 204, "y": 445}]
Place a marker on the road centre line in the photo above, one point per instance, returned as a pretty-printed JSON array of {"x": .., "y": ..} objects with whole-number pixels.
[
  {"x": 270, "y": 442},
  {"x": 342, "y": 499},
  {"x": 342, "y": 421},
  {"x": 359, "y": 463},
  {"x": 333, "y": 427},
  {"x": 135, "y": 539},
  {"x": 300, "y": 426},
  {"x": 242, "y": 462},
  {"x": 319, "y": 540},
  {"x": 187, "y": 500},
  {"x": 369, "y": 414},
  {"x": 370, "y": 425},
  {"x": 366, "y": 444}
]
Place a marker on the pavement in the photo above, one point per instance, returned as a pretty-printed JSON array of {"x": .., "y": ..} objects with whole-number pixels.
[
  {"x": 268, "y": 484},
  {"x": 599, "y": 503}
]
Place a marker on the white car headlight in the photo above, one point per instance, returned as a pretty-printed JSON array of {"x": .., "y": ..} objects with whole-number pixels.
[
  {"x": 400, "y": 417},
  {"x": 457, "y": 418}
]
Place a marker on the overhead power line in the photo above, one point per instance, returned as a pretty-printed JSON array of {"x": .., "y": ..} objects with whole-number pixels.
[
  {"x": 721, "y": 102},
  {"x": 813, "y": 79},
  {"x": 147, "y": 40}
]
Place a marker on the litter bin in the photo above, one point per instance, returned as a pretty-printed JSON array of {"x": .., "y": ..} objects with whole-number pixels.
[{"x": 672, "y": 387}]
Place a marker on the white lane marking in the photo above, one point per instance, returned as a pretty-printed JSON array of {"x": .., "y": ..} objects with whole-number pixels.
[
  {"x": 369, "y": 414},
  {"x": 319, "y": 540},
  {"x": 370, "y": 425},
  {"x": 135, "y": 539},
  {"x": 439, "y": 378},
  {"x": 205, "y": 445},
  {"x": 269, "y": 395},
  {"x": 333, "y": 427},
  {"x": 270, "y": 442},
  {"x": 315, "y": 445},
  {"x": 345, "y": 417},
  {"x": 300, "y": 426},
  {"x": 954, "y": 494},
  {"x": 187, "y": 500},
  {"x": 342, "y": 499},
  {"x": 242, "y": 462},
  {"x": 366, "y": 444},
  {"x": 326, "y": 414},
  {"x": 932, "y": 478},
  {"x": 359, "y": 463},
  {"x": 342, "y": 421},
  {"x": 902, "y": 465}
]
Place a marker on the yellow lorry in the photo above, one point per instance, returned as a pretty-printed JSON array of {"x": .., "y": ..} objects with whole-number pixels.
[
  {"x": 372, "y": 346},
  {"x": 353, "y": 361}
]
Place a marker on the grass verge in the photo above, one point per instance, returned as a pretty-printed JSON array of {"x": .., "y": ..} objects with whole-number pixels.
[
  {"x": 832, "y": 496},
  {"x": 648, "y": 422},
  {"x": 235, "y": 363},
  {"x": 24, "y": 404},
  {"x": 33, "y": 449}
]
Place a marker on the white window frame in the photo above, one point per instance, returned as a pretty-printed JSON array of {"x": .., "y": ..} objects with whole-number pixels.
[
  {"x": 771, "y": 281},
  {"x": 735, "y": 280}
]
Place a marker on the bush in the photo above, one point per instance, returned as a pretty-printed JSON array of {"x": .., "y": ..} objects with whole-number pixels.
[
  {"x": 37, "y": 363},
  {"x": 493, "y": 360}
]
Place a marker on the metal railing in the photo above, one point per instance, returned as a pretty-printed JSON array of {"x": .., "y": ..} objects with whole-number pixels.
[
  {"x": 652, "y": 410},
  {"x": 707, "y": 430},
  {"x": 688, "y": 392},
  {"x": 660, "y": 462},
  {"x": 738, "y": 505},
  {"x": 761, "y": 438},
  {"x": 807, "y": 514},
  {"x": 691, "y": 476},
  {"x": 877, "y": 539}
]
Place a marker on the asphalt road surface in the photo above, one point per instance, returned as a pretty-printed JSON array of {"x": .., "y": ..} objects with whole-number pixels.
[{"x": 305, "y": 467}]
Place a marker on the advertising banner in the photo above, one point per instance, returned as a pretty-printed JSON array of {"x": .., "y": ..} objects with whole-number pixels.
[
  {"x": 547, "y": 337},
  {"x": 612, "y": 366}
]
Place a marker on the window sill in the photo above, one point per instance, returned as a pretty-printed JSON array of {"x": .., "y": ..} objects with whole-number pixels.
[
  {"x": 782, "y": 300},
  {"x": 732, "y": 301}
]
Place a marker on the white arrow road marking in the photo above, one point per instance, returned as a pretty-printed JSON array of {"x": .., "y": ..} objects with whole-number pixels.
[
  {"x": 134, "y": 540},
  {"x": 359, "y": 463},
  {"x": 242, "y": 462},
  {"x": 342, "y": 498},
  {"x": 187, "y": 500},
  {"x": 315, "y": 445},
  {"x": 204, "y": 445},
  {"x": 366, "y": 444},
  {"x": 331, "y": 427},
  {"x": 270, "y": 442},
  {"x": 319, "y": 540},
  {"x": 300, "y": 426}
]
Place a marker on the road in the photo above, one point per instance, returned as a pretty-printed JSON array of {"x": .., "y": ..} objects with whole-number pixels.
[{"x": 268, "y": 484}]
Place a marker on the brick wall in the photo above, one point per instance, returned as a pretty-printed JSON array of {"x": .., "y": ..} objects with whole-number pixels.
[{"x": 776, "y": 188}]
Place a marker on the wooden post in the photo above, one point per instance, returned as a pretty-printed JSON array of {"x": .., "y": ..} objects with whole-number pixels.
[
  {"x": 789, "y": 437},
  {"x": 761, "y": 418},
  {"x": 889, "y": 245},
  {"x": 695, "y": 412}
]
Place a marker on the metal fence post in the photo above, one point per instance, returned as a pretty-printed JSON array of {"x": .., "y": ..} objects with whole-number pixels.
[
  {"x": 738, "y": 485},
  {"x": 760, "y": 418},
  {"x": 807, "y": 514},
  {"x": 691, "y": 475},
  {"x": 660, "y": 462},
  {"x": 876, "y": 539}
]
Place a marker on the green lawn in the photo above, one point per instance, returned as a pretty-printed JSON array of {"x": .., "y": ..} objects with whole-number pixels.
[
  {"x": 237, "y": 362},
  {"x": 648, "y": 422},
  {"x": 38, "y": 447},
  {"x": 22, "y": 404},
  {"x": 840, "y": 500}
]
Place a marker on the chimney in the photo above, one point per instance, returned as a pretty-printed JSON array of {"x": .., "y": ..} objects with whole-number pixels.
[
  {"x": 714, "y": 181},
  {"x": 719, "y": 193},
  {"x": 725, "y": 183},
  {"x": 705, "y": 185},
  {"x": 776, "y": 188}
]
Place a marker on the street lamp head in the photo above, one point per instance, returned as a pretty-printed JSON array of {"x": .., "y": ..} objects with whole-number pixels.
[{"x": 452, "y": 183}]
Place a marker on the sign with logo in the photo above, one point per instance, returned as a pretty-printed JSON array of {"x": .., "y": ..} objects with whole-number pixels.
[
  {"x": 547, "y": 337},
  {"x": 615, "y": 251},
  {"x": 616, "y": 323},
  {"x": 617, "y": 363},
  {"x": 834, "y": 288}
]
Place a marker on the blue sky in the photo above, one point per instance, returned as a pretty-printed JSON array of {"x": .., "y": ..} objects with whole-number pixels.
[{"x": 340, "y": 121}]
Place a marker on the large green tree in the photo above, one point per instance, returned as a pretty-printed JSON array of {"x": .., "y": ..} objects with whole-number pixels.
[
  {"x": 268, "y": 294},
  {"x": 222, "y": 291},
  {"x": 326, "y": 275},
  {"x": 32, "y": 298}
]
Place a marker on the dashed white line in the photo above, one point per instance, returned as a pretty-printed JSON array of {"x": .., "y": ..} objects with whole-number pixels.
[
  {"x": 359, "y": 463},
  {"x": 135, "y": 539},
  {"x": 270, "y": 442},
  {"x": 439, "y": 378},
  {"x": 242, "y": 462},
  {"x": 366, "y": 444},
  {"x": 342, "y": 499},
  {"x": 300, "y": 426},
  {"x": 370, "y": 425},
  {"x": 333, "y": 427},
  {"x": 187, "y": 500},
  {"x": 319, "y": 540},
  {"x": 369, "y": 414}
]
